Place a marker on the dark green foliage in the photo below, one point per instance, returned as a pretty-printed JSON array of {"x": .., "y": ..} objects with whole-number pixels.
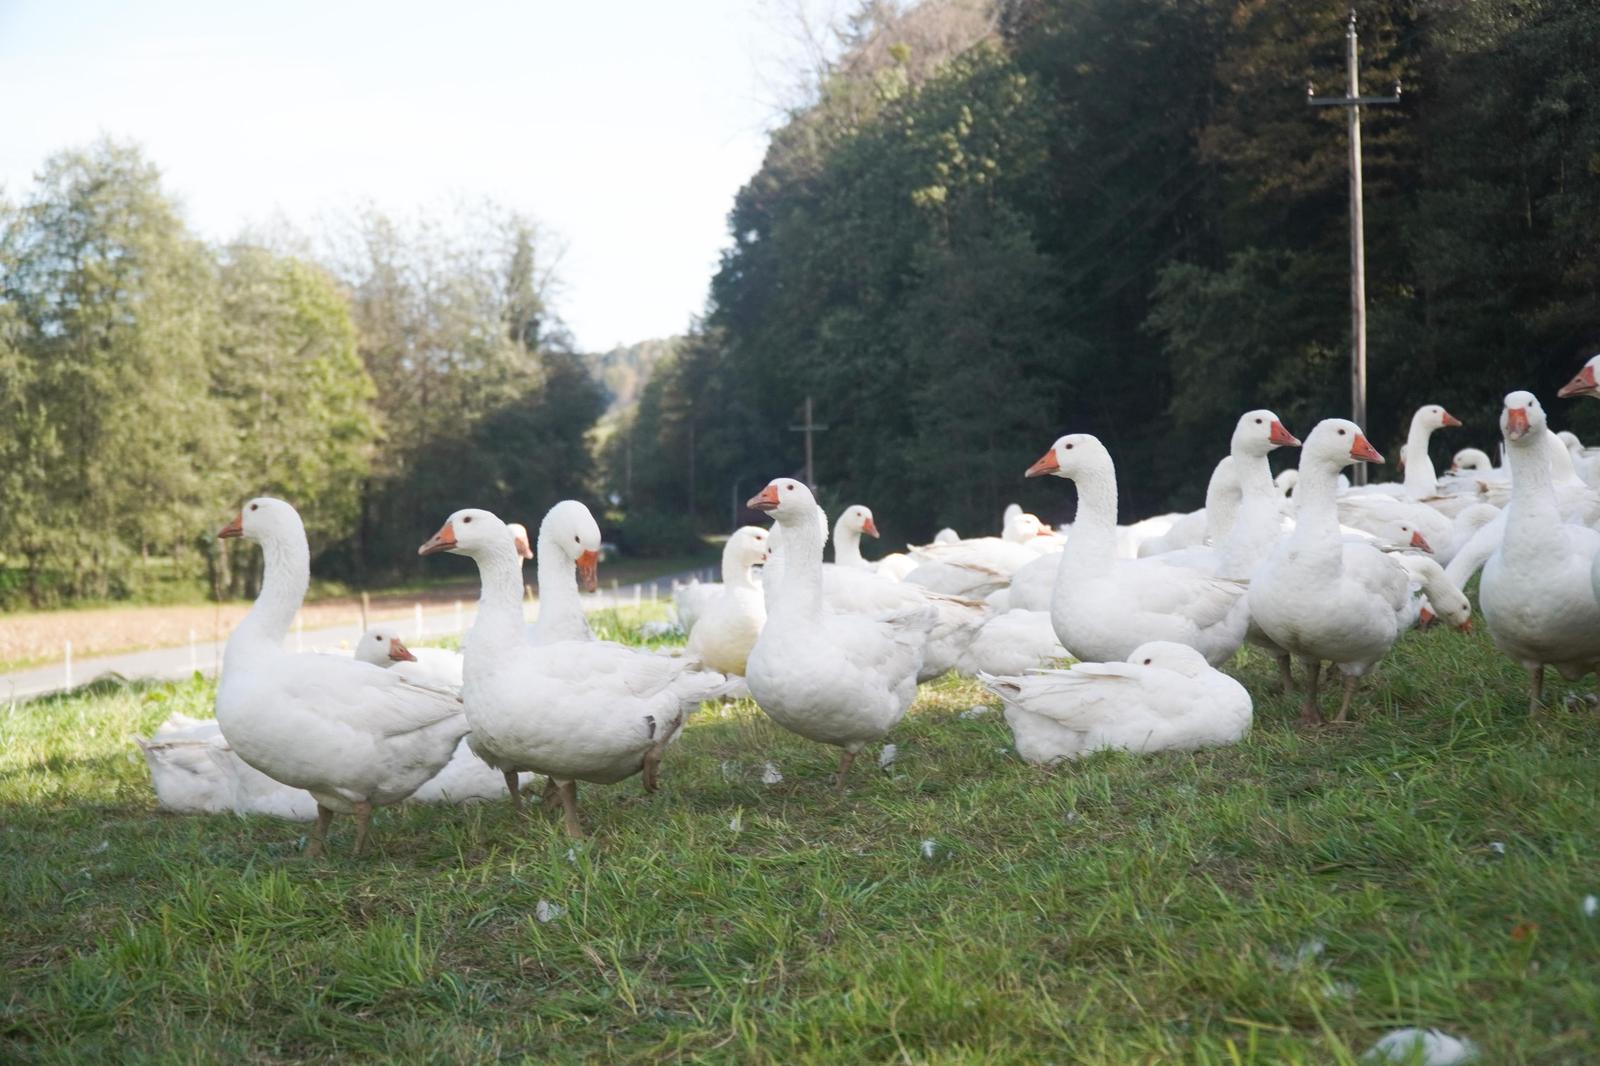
[{"x": 1121, "y": 217}]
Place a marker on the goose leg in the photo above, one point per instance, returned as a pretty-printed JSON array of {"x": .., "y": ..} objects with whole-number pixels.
[
  {"x": 569, "y": 804},
  {"x": 363, "y": 822},
  {"x": 1536, "y": 699},
  {"x": 1310, "y": 712},
  {"x": 1286, "y": 675},
  {"x": 844, "y": 771},
  {"x": 1351, "y": 683},
  {"x": 652, "y": 769},
  {"x": 516, "y": 792},
  {"x": 551, "y": 793},
  {"x": 319, "y": 836}
]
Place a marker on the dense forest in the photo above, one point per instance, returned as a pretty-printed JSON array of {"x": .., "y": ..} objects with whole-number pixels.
[
  {"x": 150, "y": 382},
  {"x": 990, "y": 223},
  {"x": 995, "y": 224}
]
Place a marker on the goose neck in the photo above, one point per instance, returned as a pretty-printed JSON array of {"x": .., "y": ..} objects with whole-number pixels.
[
  {"x": 800, "y": 583},
  {"x": 1093, "y": 543},
  {"x": 1533, "y": 492},
  {"x": 558, "y": 585},
  {"x": 499, "y": 620},
  {"x": 847, "y": 545},
  {"x": 1421, "y": 479},
  {"x": 1317, "y": 507},
  {"x": 286, "y": 573}
]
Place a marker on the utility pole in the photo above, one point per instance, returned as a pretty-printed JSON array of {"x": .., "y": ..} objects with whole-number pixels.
[
  {"x": 809, "y": 428},
  {"x": 1358, "y": 253}
]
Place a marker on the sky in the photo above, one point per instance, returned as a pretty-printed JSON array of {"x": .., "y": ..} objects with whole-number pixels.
[{"x": 624, "y": 127}]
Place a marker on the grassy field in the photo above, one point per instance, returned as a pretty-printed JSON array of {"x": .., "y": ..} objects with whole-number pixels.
[{"x": 1284, "y": 901}]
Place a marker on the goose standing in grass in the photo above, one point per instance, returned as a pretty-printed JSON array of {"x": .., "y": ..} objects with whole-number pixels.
[
  {"x": 837, "y": 678},
  {"x": 1320, "y": 595},
  {"x": 353, "y": 735},
  {"x": 729, "y": 625},
  {"x": 572, "y": 709},
  {"x": 1538, "y": 593},
  {"x": 1103, "y": 607},
  {"x": 1164, "y": 697}
]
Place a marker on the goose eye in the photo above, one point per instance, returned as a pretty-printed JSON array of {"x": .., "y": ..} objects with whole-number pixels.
[
  {"x": 575, "y": 538},
  {"x": 466, "y": 519},
  {"x": 255, "y": 507},
  {"x": 1147, "y": 662},
  {"x": 789, "y": 487},
  {"x": 1069, "y": 447},
  {"x": 1258, "y": 421},
  {"x": 1341, "y": 433},
  {"x": 378, "y": 639}
]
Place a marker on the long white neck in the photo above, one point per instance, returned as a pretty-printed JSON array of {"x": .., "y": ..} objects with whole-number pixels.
[
  {"x": 1316, "y": 520},
  {"x": 499, "y": 623},
  {"x": 847, "y": 544},
  {"x": 799, "y": 586},
  {"x": 736, "y": 573},
  {"x": 1222, "y": 501},
  {"x": 1421, "y": 479},
  {"x": 560, "y": 610},
  {"x": 1093, "y": 544},
  {"x": 1259, "y": 522},
  {"x": 286, "y": 573},
  {"x": 1532, "y": 513}
]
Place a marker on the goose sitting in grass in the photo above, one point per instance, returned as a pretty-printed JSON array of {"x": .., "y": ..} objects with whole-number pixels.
[
  {"x": 573, "y": 710},
  {"x": 853, "y": 523},
  {"x": 1165, "y": 697},
  {"x": 193, "y": 771},
  {"x": 730, "y": 623},
  {"x": 1537, "y": 593},
  {"x": 355, "y": 736},
  {"x": 837, "y": 678}
]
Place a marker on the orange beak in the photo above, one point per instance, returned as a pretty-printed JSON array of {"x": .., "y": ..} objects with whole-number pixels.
[
  {"x": 588, "y": 571},
  {"x": 1364, "y": 452},
  {"x": 765, "y": 500},
  {"x": 1465, "y": 627},
  {"x": 1425, "y": 618},
  {"x": 1282, "y": 437},
  {"x": 1045, "y": 531},
  {"x": 1419, "y": 541},
  {"x": 1582, "y": 385},
  {"x": 1450, "y": 419},
  {"x": 441, "y": 541},
  {"x": 870, "y": 528},
  {"x": 1047, "y": 464},
  {"x": 1516, "y": 423},
  {"x": 399, "y": 653},
  {"x": 232, "y": 529}
]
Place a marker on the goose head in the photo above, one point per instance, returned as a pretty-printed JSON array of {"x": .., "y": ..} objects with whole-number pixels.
[
  {"x": 1259, "y": 432},
  {"x": 1023, "y": 527},
  {"x": 858, "y": 519},
  {"x": 263, "y": 518},
  {"x": 473, "y": 532},
  {"x": 382, "y": 646},
  {"x": 570, "y": 530},
  {"x": 1522, "y": 418},
  {"x": 788, "y": 501},
  {"x": 519, "y": 537},
  {"x": 1432, "y": 416},
  {"x": 1072, "y": 456},
  {"x": 1336, "y": 443},
  {"x": 746, "y": 547},
  {"x": 1470, "y": 459},
  {"x": 1168, "y": 655},
  {"x": 1585, "y": 383}
]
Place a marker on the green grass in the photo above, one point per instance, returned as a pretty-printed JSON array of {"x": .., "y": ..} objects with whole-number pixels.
[{"x": 1120, "y": 910}]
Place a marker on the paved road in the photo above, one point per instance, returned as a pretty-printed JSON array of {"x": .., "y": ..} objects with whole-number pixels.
[{"x": 163, "y": 664}]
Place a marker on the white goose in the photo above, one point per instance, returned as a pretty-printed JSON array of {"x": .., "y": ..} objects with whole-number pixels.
[
  {"x": 1433, "y": 595},
  {"x": 1322, "y": 596},
  {"x": 353, "y": 735},
  {"x": 465, "y": 778},
  {"x": 841, "y": 679},
  {"x": 1420, "y": 482},
  {"x": 1104, "y": 607},
  {"x": 1537, "y": 593},
  {"x": 1165, "y": 697},
  {"x": 1585, "y": 383},
  {"x": 573, "y": 710},
  {"x": 853, "y": 521},
  {"x": 729, "y": 625}
]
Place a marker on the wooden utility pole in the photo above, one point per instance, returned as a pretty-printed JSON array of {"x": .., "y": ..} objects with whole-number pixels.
[
  {"x": 1358, "y": 253},
  {"x": 809, "y": 428}
]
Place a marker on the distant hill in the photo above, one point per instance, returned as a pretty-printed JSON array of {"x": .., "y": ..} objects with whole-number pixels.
[{"x": 623, "y": 372}]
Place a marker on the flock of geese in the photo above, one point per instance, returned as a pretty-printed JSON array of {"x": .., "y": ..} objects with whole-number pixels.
[{"x": 1303, "y": 566}]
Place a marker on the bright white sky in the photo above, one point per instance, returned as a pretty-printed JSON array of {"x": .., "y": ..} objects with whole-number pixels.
[{"x": 625, "y": 126}]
